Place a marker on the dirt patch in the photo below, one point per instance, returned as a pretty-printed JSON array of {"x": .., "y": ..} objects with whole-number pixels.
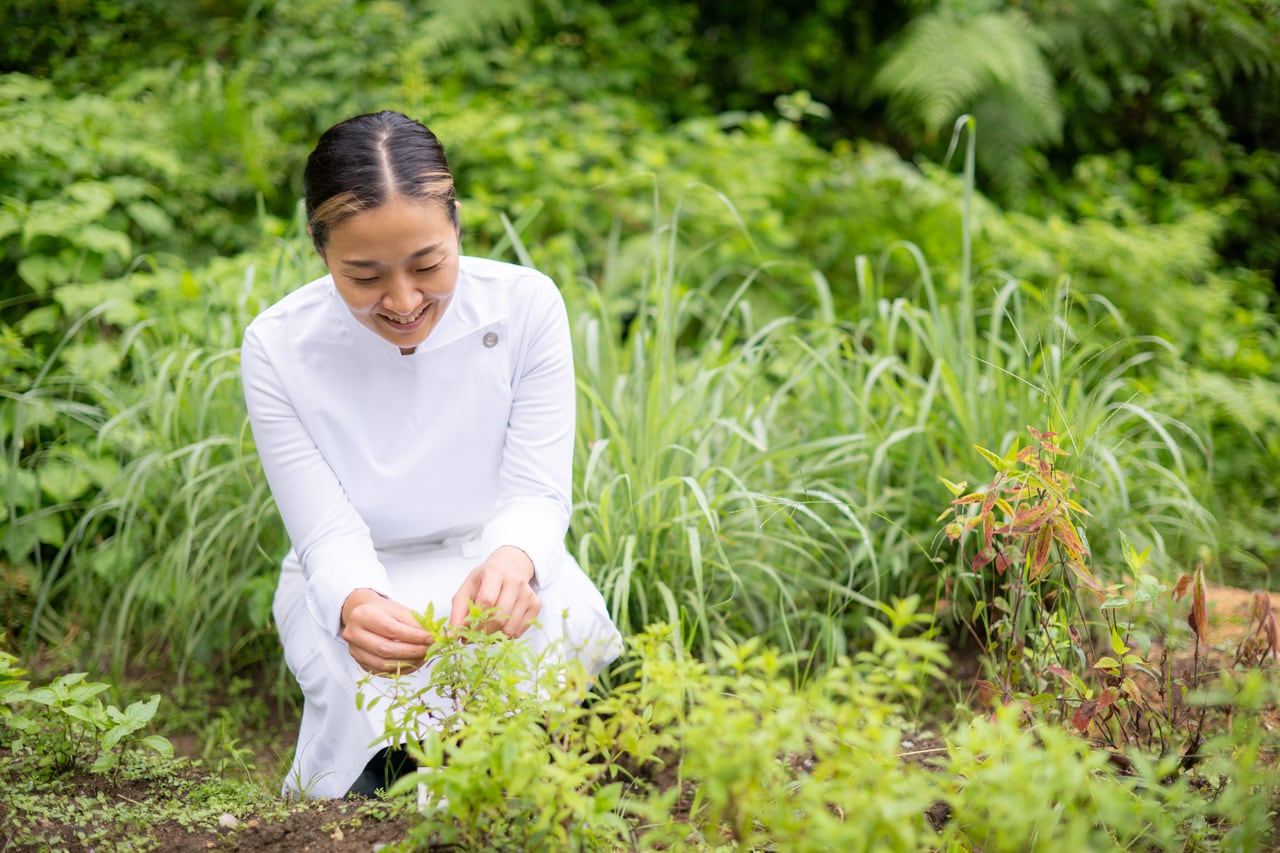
[
  {"x": 1230, "y": 614},
  {"x": 327, "y": 826},
  {"x": 89, "y": 812}
]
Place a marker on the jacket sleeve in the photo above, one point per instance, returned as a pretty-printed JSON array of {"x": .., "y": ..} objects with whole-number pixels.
[
  {"x": 535, "y": 479},
  {"x": 332, "y": 542}
]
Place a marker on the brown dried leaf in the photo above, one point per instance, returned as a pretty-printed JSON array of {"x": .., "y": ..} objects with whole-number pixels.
[
  {"x": 1269, "y": 626},
  {"x": 1261, "y": 604},
  {"x": 1198, "y": 619},
  {"x": 1084, "y": 715}
]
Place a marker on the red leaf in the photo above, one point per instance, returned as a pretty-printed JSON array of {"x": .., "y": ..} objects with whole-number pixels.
[
  {"x": 1084, "y": 715},
  {"x": 1180, "y": 589},
  {"x": 1028, "y": 520},
  {"x": 1085, "y": 576},
  {"x": 1065, "y": 532},
  {"x": 1061, "y": 673},
  {"x": 1040, "y": 556}
]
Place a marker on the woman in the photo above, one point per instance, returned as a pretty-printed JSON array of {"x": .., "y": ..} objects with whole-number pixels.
[{"x": 414, "y": 413}]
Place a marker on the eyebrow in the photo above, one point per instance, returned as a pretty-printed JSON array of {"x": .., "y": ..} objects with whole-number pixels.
[{"x": 418, "y": 254}]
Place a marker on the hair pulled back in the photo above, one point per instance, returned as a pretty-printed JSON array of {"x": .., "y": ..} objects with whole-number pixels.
[{"x": 363, "y": 162}]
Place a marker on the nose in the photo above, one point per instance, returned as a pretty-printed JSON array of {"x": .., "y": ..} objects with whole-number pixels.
[{"x": 401, "y": 296}]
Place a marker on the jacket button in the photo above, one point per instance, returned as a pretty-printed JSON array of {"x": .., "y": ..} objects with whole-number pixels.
[{"x": 491, "y": 339}]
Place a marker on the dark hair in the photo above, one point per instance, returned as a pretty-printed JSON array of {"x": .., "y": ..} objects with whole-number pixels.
[{"x": 363, "y": 162}]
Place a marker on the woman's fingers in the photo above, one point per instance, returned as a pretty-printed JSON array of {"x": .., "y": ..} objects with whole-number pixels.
[
  {"x": 515, "y": 613},
  {"x": 376, "y": 653},
  {"x": 382, "y": 635},
  {"x": 501, "y": 587}
]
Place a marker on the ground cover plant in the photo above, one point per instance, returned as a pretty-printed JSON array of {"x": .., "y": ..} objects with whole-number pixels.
[{"x": 791, "y": 357}]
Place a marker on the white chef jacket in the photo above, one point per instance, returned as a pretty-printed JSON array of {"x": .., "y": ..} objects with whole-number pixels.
[{"x": 425, "y": 462}]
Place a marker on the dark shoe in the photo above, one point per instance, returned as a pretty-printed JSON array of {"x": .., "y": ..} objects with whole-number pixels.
[{"x": 387, "y": 765}]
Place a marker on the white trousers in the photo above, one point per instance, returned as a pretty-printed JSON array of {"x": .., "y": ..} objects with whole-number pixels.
[{"x": 336, "y": 739}]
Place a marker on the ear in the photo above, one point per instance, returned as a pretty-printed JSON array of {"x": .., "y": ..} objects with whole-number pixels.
[{"x": 319, "y": 249}]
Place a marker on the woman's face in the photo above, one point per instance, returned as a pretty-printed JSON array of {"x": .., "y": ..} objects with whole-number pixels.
[{"x": 396, "y": 267}]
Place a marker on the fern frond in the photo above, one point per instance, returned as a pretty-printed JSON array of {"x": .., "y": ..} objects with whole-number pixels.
[
  {"x": 947, "y": 66},
  {"x": 1234, "y": 36},
  {"x": 450, "y": 23}
]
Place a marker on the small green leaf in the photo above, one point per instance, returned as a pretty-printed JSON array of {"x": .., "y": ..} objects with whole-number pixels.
[
  {"x": 141, "y": 712},
  {"x": 84, "y": 713},
  {"x": 114, "y": 735},
  {"x": 1112, "y": 603},
  {"x": 1133, "y": 559},
  {"x": 62, "y": 482},
  {"x": 42, "y": 696},
  {"x": 978, "y": 609},
  {"x": 41, "y": 271},
  {"x": 993, "y": 460},
  {"x": 106, "y": 760},
  {"x": 85, "y": 692},
  {"x": 39, "y": 320},
  {"x": 1107, "y": 664},
  {"x": 158, "y": 743}
]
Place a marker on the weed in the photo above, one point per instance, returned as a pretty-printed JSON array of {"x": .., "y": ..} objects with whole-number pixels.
[{"x": 60, "y": 726}]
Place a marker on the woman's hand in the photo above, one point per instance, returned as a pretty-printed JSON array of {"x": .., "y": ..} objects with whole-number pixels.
[
  {"x": 504, "y": 583},
  {"x": 382, "y": 635}
]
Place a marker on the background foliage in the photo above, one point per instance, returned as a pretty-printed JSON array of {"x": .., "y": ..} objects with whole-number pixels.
[
  {"x": 818, "y": 256},
  {"x": 815, "y": 326}
]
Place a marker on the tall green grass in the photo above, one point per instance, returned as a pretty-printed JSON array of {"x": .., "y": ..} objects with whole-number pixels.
[
  {"x": 696, "y": 504},
  {"x": 769, "y": 480},
  {"x": 167, "y": 556},
  {"x": 737, "y": 472}
]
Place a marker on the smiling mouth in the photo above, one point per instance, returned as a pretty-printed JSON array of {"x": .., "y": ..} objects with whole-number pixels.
[{"x": 406, "y": 321}]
